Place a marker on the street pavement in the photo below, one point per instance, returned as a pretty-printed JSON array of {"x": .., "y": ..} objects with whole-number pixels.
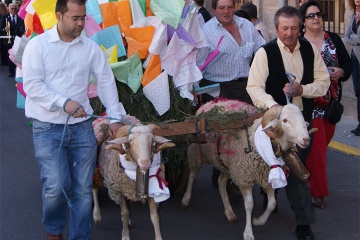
[{"x": 20, "y": 194}]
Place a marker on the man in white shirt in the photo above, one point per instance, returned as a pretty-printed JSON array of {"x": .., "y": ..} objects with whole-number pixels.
[
  {"x": 240, "y": 40},
  {"x": 56, "y": 70}
]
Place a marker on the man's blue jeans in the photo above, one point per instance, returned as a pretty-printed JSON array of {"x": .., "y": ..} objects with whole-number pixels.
[{"x": 71, "y": 169}]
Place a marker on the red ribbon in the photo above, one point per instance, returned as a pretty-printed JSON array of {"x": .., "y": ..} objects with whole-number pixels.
[
  {"x": 160, "y": 180},
  {"x": 285, "y": 171}
]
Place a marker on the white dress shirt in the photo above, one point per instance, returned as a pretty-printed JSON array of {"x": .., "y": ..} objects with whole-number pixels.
[
  {"x": 54, "y": 71},
  {"x": 233, "y": 60}
]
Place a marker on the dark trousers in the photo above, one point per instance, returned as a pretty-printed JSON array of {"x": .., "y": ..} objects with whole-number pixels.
[
  {"x": 4, "y": 51},
  {"x": 235, "y": 89},
  {"x": 12, "y": 66},
  {"x": 356, "y": 83},
  {"x": 298, "y": 192}
]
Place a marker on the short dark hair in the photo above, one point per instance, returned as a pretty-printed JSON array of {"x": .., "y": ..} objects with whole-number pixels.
[
  {"x": 287, "y": 11},
  {"x": 243, "y": 14},
  {"x": 7, "y": 2},
  {"x": 61, "y": 5},
  {"x": 306, "y": 5},
  {"x": 214, "y": 3},
  {"x": 250, "y": 8},
  {"x": 199, "y": 2}
]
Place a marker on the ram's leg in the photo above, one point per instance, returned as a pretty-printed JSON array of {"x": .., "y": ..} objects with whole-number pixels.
[
  {"x": 222, "y": 181},
  {"x": 96, "y": 209},
  {"x": 269, "y": 208},
  {"x": 192, "y": 175},
  {"x": 155, "y": 218},
  {"x": 124, "y": 218},
  {"x": 249, "y": 205}
]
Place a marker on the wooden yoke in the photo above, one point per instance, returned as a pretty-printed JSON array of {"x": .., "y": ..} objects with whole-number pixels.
[
  {"x": 202, "y": 129},
  {"x": 206, "y": 131}
]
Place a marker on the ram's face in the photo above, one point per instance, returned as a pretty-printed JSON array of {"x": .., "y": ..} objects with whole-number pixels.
[{"x": 294, "y": 126}]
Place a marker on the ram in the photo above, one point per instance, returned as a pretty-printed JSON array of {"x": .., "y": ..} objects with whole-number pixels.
[
  {"x": 138, "y": 146},
  {"x": 285, "y": 124}
]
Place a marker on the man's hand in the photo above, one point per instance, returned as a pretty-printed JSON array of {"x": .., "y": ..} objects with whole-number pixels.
[
  {"x": 71, "y": 106},
  {"x": 336, "y": 73},
  {"x": 113, "y": 128},
  {"x": 293, "y": 89}
]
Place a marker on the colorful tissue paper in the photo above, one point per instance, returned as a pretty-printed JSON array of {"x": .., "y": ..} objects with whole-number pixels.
[
  {"x": 46, "y": 12},
  {"x": 168, "y": 11},
  {"x": 109, "y": 37},
  {"x": 139, "y": 40},
  {"x": 129, "y": 72},
  {"x": 157, "y": 91},
  {"x": 93, "y": 10},
  {"x": 152, "y": 70}
]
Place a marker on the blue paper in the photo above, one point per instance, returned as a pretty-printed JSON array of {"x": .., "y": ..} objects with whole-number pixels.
[
  {"x": 109, "y": 37},
  {"x": 92, "y": 8}
]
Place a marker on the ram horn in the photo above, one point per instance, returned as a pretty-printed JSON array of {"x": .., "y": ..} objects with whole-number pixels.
[
  {"x": 122, "y": 132},
  {"x": 270, "y": 115},
  {"x": 313, "y": 130}
]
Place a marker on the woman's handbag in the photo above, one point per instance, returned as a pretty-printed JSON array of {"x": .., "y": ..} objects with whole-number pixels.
[{"x": 334, "y": 111}]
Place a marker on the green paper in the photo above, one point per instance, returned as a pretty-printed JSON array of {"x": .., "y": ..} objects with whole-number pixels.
[
  {"x": 142, "y": 4},
  {"x": 168, "y": 11},
  {"x": 129, "y": 72}
]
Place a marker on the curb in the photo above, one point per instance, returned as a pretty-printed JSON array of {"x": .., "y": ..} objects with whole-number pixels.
[{"x": 345, "y": 148}]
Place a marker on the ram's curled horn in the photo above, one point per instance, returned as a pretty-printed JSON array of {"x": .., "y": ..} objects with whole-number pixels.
[
  {"x": 313, "y": 130},
  {"x": 117, "y": 143},
  {"x": 162, "y": 143},
  {"x": 122, "y": 132},
  {"x": 153, "y": 126},
  {"x": 270, "y": 115}
]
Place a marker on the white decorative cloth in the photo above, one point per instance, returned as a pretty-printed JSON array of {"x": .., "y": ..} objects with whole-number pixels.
[
  {"x": 263, "y": 145},
  {"x": 157, "y": 186}
]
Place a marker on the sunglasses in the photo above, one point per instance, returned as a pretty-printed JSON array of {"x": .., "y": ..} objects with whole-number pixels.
[{"x": 312, "y": 15}]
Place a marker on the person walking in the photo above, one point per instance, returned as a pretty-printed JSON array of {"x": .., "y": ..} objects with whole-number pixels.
[
  {"x": 251, "y": 9},
  {"x": 338, "y": 63},
  {"x": 13, "y": 26},
  {"x": 204, "y": 15},
  {"x": 352, "y": 38},
  {"x": 56, "y": 70},
  {"x": 269, "y": 86}
]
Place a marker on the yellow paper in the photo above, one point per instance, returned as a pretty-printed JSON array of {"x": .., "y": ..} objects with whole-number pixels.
[
  {"x": 152, "y": 70},
  {"x": 46, "y": 11},
  {"x": 113, "y": 57},
  {"x": 139, "y": 40}
]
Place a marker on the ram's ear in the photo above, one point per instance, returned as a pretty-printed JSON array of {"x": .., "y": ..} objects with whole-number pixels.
[{"x": 273, "y": 129}]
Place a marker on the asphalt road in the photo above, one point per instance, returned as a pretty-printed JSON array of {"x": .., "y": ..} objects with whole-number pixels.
[{"x": 20, "y": 197}]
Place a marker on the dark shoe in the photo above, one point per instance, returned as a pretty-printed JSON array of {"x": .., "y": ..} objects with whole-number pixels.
[
  {"x": 304, "y": 232},
  {"x": 357, "y": 133},
  {"x": 356, "y": 130},
  {"x": 53, "y": 237},
  {"x": 11, "y": 75}
]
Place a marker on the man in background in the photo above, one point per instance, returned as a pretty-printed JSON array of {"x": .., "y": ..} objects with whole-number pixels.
[
  {"x": 251, "y": 9},
  {"x": 14, "y": 26}
]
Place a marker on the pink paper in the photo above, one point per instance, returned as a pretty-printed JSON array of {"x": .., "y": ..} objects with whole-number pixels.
[
  {"x": 20, "y": 88},
  {"x": 91, "y": 26},
  {"x": 22, "y": 11},
  {"x": 212, "y": 54}
]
